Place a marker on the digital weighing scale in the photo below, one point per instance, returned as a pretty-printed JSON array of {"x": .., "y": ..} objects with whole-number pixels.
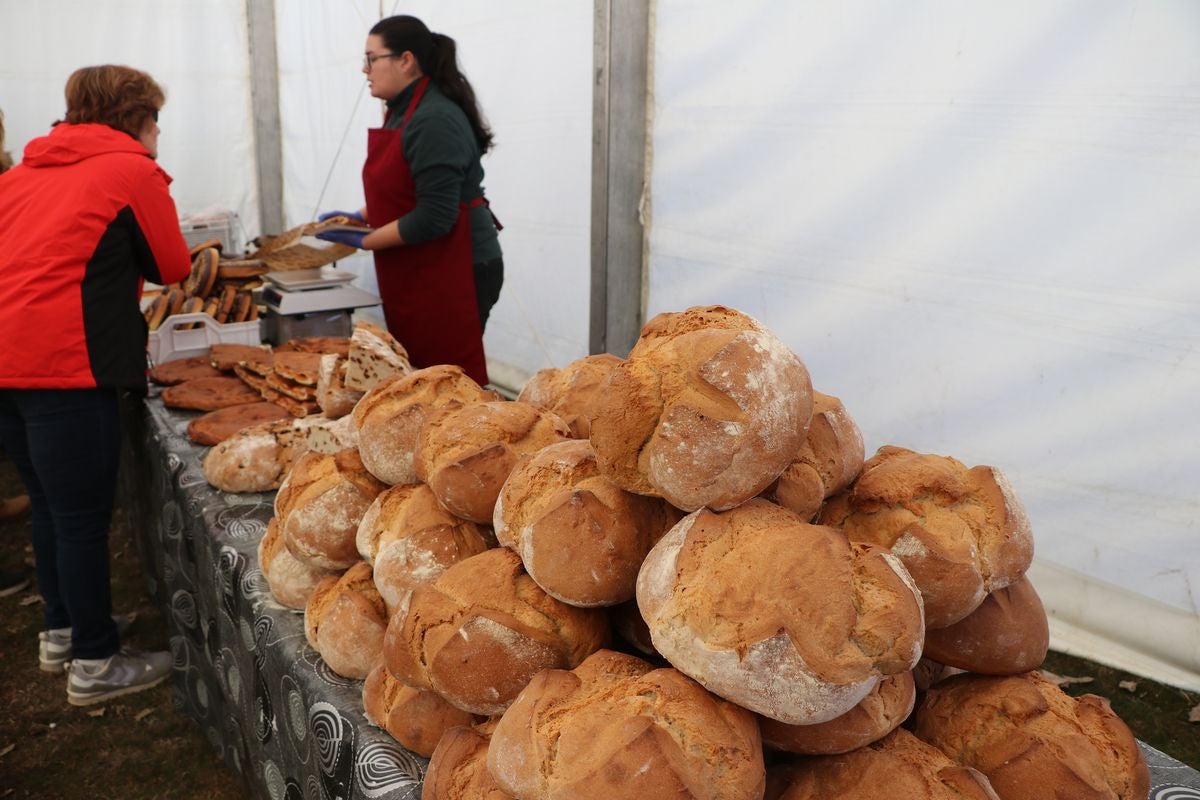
[{"x": 310, "y": 302}]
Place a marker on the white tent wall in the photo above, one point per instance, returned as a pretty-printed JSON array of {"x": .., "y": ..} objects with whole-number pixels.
[
  {"x": 196, "y": 51},
  {"x": 537, "y": 177},
  {"x": 976, "y": 224}
]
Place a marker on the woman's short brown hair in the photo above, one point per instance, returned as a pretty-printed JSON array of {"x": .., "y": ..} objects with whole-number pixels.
[{"x": 112, "y": 95}]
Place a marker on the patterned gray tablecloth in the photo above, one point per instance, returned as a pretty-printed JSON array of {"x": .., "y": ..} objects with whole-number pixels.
[{"x": 286, "y": 725}]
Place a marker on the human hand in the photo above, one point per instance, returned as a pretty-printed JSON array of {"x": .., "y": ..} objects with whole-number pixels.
[
  {"x": 350, "y": 214},
  {"x": 352, "y": 238}
]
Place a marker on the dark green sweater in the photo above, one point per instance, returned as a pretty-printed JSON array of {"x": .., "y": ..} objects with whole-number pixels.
[{"x": 443, "y": 156}]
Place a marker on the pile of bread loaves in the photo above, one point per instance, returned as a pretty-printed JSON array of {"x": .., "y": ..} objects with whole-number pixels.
[
  {"x": 218, "y": 286},
  {"x": 672, "y": 575}
]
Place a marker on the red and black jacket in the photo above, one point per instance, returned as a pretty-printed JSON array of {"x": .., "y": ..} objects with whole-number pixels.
[{"x": 84, "y": 219}]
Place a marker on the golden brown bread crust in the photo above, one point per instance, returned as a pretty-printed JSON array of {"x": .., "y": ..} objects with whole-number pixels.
[
  {"x": 156, "y": 312},
  {"x": 875, "y": 716},
  {"x": 581, "y": 537},
  {"x": 215, "y": 427},
  {"x": 1007, "y": 635},
  {"x": 374, "y": 354},
  {"x": 458, "y": 767},
  {"x": 335, "y": 400},
  {"x": 569, "y": 391},
  {"x": 616, "y": 727},
  {"x": 960, "y": 532},
  {"x": 339, "y": 345},
  {"x": 209, "y": 394},
  {"x": 199, "y": 283},
  {"x": 176, "y": 372},
  {"x": 479, "y": 632},
  {"x": 256, "y": 458},
  {"x": 898, "y": 767},
  {"x": 414, "y": 717},
  {"x": 708, "y": 410},
  {"x": 466, "y": 453},
  {"x": 345, "y": 620},
  {"x": 291, "y": 582},
  {"x": 227, "y": 356},
  {"x": 1032, "y": 740},
  {"x": 298, "y": 367},
  {"x": 829, "y": 460},
  {"x": 235, "y": 269},
  {"x": 785, "y": 618}
]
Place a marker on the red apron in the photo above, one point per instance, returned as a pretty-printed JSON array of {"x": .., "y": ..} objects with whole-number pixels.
[{"x": 428, "y": 289}]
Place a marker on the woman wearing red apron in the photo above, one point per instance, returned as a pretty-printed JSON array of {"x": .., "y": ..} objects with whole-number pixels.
[{"x": 437, "y": 255}]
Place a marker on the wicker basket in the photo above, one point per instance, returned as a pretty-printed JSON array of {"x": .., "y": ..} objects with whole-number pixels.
[{"x": 286, "y": 251}]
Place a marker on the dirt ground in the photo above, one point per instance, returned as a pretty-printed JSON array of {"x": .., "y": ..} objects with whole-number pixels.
[{"x": 140, "y": 748}]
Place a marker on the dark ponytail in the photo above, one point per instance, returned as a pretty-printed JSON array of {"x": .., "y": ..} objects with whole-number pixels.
[{"x": 437, "y": 55}]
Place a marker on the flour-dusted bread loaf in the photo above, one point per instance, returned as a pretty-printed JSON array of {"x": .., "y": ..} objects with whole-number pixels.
[
  {"x": 617, "y": 727},
  {"x": 415, "y": 718},
  {"x": 258, "y": 457},
  {"x": 374, "y": 354},
  {"x": 466, "y": 453},
  {"x": 345, "y": 621},
  {"x": 389, "y": 418},
  {"x": 875, "y": 716},
  {"x": 409, "y": 540},
  {"x": 458, "y": 767},
  {"x": 290, "y": 580},
  {"x": 479, "y": 632},
  {"x": 829, "y": 460},
  {"x": 569, "y": 391},
  {"x": 580, "y": 536},
  {"x": 334, "y": 398},
  {"x": 708, "y": 410},
  {"x": 1032, "y": 740},
  {"x": 785, "y": 618},
  {"x": 897, "y": 767},
  {"x": 1007, "y": 635},
  {"x": 321, "y": 503},
  {"x": 960, "y": 532}
]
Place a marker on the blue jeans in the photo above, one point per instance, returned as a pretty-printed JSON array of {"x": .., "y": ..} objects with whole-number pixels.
[{"x": 65, "y": 444}]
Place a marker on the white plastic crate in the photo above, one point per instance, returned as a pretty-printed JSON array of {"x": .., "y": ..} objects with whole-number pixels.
[
  {"x": 171, "y": 341},
  {"x": 223, "y": 228}
]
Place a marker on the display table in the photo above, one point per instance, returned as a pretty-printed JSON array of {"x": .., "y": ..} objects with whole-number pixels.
[{"x": 285, "y": 724}]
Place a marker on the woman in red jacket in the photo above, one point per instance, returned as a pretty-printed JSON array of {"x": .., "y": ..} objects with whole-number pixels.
[{"x": 85, "y": 218}]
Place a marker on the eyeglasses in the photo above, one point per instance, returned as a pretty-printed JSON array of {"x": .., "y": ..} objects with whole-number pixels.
[
  {"x": 369, "y": 60},
  {"x": 154, "y": 115}
]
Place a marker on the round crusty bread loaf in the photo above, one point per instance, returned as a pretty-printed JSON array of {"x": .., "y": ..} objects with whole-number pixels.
[
  {"x": 458, "y": 767},
  {"x": 960, "y": 532},
  {"x": 345, "y": 621},
  {"x": 320, "y": 505},
  {"x": 290, "y": 580},
  {"x": 389, "y": 418},
  {"x": 569, "y": 391},
  {"x": 479, "y": 632},
  {"x": 617, "y": 727},
  {"x": 782, "y": 617},
  {"x": 1007, "y": 635},
  {"x": 708, "y": 410},
  {"x": 409, "y": 540},
  {"x": 580, "y": 536},
  {"x": 1032, "y": 740},
  {"x": 875, "y": 716},
  {"x": 257, "y": 458},
  {"x": 899, "y": 767},
  {"x": 466, "y": 453},
  {"x": 828, "y": 462},
  {"x": 414, "y": 717}
]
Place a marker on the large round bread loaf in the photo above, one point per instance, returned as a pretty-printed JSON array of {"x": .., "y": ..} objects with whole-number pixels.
[
  {"x": 569, "y": 391},
  {"x": 897, "y": 767},
  {"x": 321, "y": 503},
  {"x": 257, "y": 458},
  {"x": 616, "y": 727},
  {"x": 785, "y": 618},
  {"x": 458, "y": 767},
  {"x": 389, "y": 418},
  {"x": 960, "y": 532},
  {"x": 345, "y": 621},
  {"x": 479, "y": 632},
  {"x": 875, "y": 716},
  {"x": 1007, "y": 635},
  {"x": 414, "y": 717},
  {"x": 1032, "y": 740},
  {"x": 290, "y": 580},
  {"x": 409, "y": 540},
  {"x": 708, "y": 410},
  {"x": 580, "y": 536},
  {"x": 466, "y": 453},
  {"x": 829, "y": 460}
]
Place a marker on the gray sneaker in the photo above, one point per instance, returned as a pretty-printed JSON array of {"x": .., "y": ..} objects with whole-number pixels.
[
  {"x": 54, "y": 647},
  {"x": 120, "y": 674}
]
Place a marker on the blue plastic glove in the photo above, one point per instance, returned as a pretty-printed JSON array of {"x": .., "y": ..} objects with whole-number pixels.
[
  {"x": 352, "y": 238},
  {"x": 350, "y": 214}
]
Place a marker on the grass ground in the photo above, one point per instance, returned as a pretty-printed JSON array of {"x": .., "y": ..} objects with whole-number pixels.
[{"x": 140, "y": 748}]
